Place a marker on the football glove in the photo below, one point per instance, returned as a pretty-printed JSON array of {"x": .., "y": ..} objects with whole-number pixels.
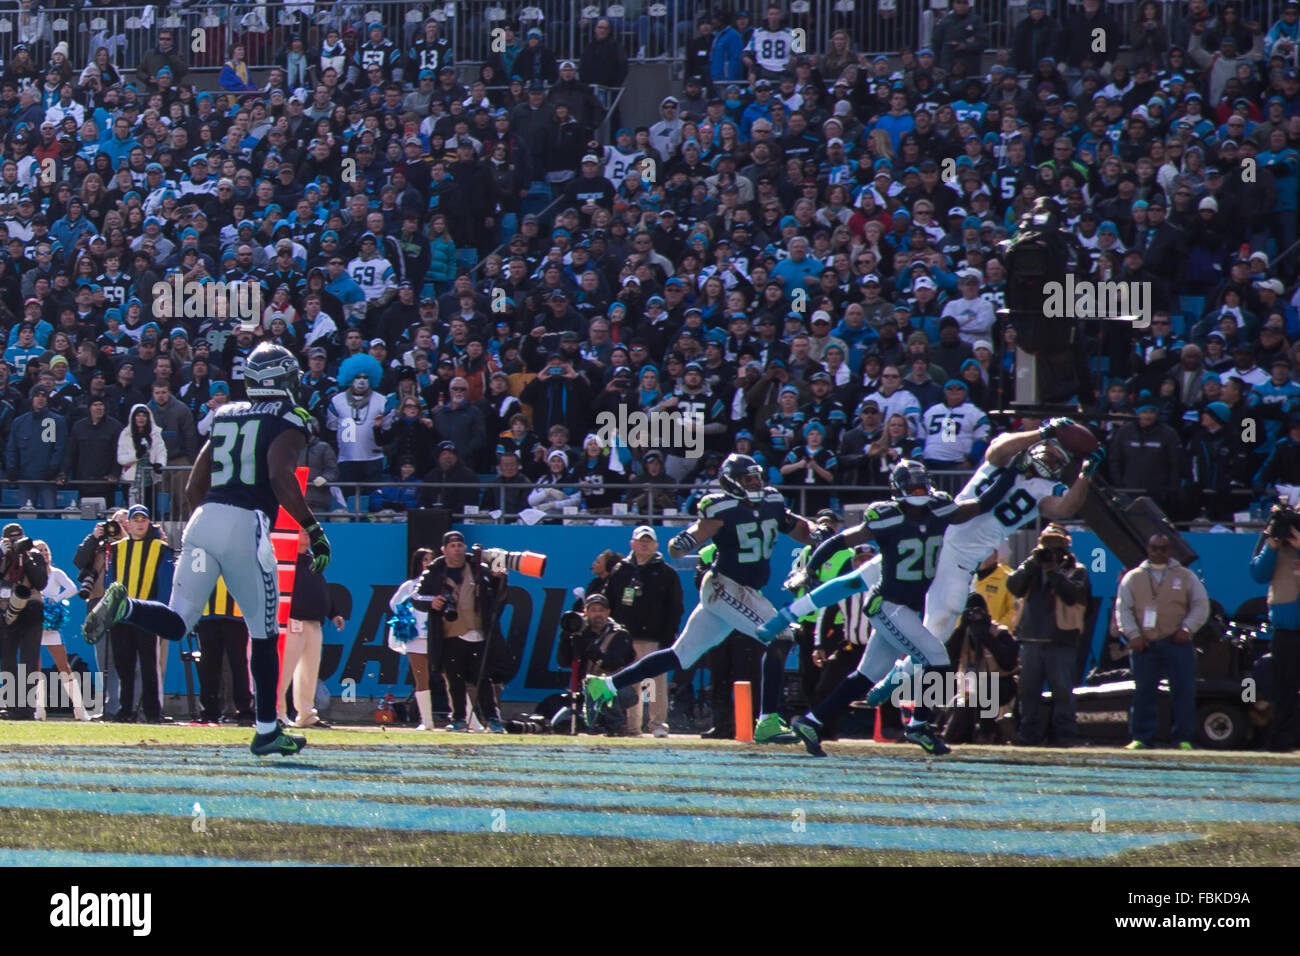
[
  {"x": 1093, "y": 462},
  {"x": 319, "y": 545},
  {"x": 1052, "y": 425}
]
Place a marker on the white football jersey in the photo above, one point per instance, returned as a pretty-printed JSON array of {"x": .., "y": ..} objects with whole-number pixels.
[
  {"x": 1018, "y": 508},
  {"x": 951, "y": 433}
]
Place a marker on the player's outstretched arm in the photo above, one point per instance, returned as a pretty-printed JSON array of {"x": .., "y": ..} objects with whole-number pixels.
[
  {"x": 694, "y": 536},
  {"x": 1003, "y": 449},
  {"x": 282, "y": 462},
  {"x": 200, "y": 480},
  {"x": 1067, "y": 505},
  {"x": 858, "y": 534}
]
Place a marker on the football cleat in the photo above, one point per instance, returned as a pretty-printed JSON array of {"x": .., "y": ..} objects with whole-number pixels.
[
  {"x": 883, "y": 689},
  {"x": 458, "y": 726},
  {"x": 598, "y": 691},
  {"x": 773, "y": 729},
  {"x": 809, "y": 734},
  {"x": 109, "y": 611},
  {"x": 277, "y": 743},
  {"x": 1137, "y": 745},
  {"x": 924, "y": 736}
]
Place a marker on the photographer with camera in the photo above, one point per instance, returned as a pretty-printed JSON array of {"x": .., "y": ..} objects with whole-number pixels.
[
  {"x": 979, "y": 645},
  {"x": 1276, "y": 561},
  {"x": 144, "y": 564},
  {"x": 23, "y": 576},
  {"x": 91, "y": 560},
  {"x": 602, "y": 646},
  {"x": 1159, "y": 606},
  {"x": 1055, "y": 591},
  {"x": 463, "y": 599},
  {"x": 647, "y": 594}
]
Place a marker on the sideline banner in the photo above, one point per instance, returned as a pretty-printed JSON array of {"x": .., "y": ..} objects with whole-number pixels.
[{"x": 370, "y": 562}]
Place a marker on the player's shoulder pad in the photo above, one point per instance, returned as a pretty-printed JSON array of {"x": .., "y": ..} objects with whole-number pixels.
[
  {"x": 714, "y": 506},
  {"x": 772, "y": 496},
  {"x": 230, "y": 409},
  {"x": 882, "y": 514}
]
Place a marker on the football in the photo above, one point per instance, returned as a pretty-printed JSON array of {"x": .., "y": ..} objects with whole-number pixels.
[{"x": 1077, "y": 440}]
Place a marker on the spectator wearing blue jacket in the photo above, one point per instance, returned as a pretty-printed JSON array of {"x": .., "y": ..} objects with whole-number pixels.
[
  {"x": 1274, "y": 564},
  {"x": 35, "y": 450},
  {"x": 70, "y": 229},
  {"x": 724, "y": 59},
  {"x": 119, "y": 145},
  {"x": 403, "y": 495},
  {"x": 800, "y": 270}
]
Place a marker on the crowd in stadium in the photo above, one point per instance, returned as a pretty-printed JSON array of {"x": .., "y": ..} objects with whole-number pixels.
[{"x": 799, "y": 252}]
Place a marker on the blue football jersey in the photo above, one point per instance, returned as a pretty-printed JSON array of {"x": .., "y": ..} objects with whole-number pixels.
[
  {"x": 242, "y": 433},
  {"x": 909, "y": 549},
  {"x": 748, "y": 534}
]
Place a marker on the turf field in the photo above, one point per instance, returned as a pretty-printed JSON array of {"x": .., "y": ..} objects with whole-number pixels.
[{"x": 174, "y": 795}]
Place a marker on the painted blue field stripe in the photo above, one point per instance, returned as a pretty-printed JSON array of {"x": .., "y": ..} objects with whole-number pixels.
[
  {"x": 731, "y": 830},
  {"x": 1036, "y": 807},
  {"x": 943, "y": 779},
  {"x": 63, "y": 858},
  {"x": 921, "y": 784}
]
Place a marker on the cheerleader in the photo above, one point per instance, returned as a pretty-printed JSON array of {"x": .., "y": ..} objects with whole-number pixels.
[
  {"x": 408, "y": 634},
  {"x": 57, "y": 591}
]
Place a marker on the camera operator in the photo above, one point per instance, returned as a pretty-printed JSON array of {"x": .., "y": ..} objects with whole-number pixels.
[
  {"x": 647, "y": 594},
  {"x": 463, "y": 600},
  {"x": 602, "y": 646},
  {"x": 979, "y": 645},
  {"x": 1277, "y": 557},
  {"x": 91, "y": 560},
  {"x": 1055, "y": 591},
  {"x": 23, "y": 576}
]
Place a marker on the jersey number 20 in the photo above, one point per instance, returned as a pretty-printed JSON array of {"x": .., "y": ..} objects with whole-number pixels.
[
  {"x": 225, "y": 467},
  {"x": 756, "y": 540},
  {"x": 912, "y": 550}
]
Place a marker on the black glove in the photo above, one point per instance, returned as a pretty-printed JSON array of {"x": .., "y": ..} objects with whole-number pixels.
[
  {"x": 1093, "y": 462},
  {"x": 157, "y": 469},
  {"x": 319, "y": 545}
]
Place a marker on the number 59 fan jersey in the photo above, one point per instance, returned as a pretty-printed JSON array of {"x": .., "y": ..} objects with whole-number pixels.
[
  {"x": 974, "y": 540},
  {"x": 242, "y": 433}
]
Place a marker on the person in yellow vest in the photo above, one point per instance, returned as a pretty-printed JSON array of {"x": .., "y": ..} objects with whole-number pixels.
[
  {"x": 144, "y": 565},
  {"x": 1160, "y": 605},
  {"x": 223, "y": 636},
  {"x": 991, "y": 584}
]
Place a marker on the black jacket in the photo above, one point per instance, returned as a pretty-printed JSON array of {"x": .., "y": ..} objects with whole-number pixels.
[
  {"x": 92, "y": 449},
  {"x": 1041, "y": 590},
  {"x": 647, "y": 598},
  {"x": 489, "y": 600},
  {"x": 311, "y": 600},
  {"x": 600, "y": 653}
]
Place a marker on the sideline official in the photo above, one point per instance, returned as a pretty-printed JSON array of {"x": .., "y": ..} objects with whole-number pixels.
[
  {"x": 1160, "y": 605},
  {"x": 144, "y": 564},
  {"x": 645, "y": 595}
]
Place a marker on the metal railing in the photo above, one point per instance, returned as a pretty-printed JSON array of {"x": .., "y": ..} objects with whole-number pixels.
[{"x": 652, "y": 31}]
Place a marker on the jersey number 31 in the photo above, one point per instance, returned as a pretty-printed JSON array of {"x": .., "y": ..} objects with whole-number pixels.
[{"x": 227, "y": 468}]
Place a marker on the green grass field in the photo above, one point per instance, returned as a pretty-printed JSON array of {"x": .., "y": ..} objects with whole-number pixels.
[{"x": 146, "y": 795}]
